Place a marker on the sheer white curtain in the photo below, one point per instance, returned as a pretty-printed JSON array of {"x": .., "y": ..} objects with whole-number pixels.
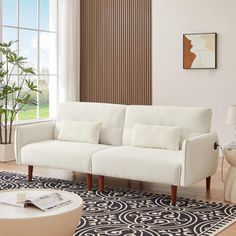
[
  {"x": 68, "y": 49},
  {"x": 0, "y": 21}
]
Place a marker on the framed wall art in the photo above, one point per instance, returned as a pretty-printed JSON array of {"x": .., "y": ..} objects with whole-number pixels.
[{"x": 199, "y": 51}]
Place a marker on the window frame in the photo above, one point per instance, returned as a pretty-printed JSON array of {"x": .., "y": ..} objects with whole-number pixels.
[{"x": 18, "y": 28}]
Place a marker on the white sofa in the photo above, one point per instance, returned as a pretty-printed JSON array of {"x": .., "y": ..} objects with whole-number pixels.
[{"x": 38, "y": 145}]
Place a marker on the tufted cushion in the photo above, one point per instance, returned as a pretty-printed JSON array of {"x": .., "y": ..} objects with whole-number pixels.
[
  {"x": 111, "y": 116},
  {"x": 192, "y": 120}
]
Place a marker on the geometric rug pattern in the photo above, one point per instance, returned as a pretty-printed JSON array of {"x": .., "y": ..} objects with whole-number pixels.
[{"x": 118, "y": 212}]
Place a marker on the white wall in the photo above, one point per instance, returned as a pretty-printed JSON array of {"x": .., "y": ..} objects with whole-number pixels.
[{"x": 172, "y": 85}]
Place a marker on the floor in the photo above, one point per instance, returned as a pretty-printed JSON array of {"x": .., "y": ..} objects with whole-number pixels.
[{"x": 196, "y": 191}]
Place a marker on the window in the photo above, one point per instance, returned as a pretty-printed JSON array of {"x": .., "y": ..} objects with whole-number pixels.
[{"x": 33, "y": 23}]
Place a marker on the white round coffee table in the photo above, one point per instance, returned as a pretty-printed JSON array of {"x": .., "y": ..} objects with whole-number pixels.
[{"x": 31, "y": 221}]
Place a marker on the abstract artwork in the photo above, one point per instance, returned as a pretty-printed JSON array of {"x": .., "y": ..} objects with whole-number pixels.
[{"x": 199, "y": 51}]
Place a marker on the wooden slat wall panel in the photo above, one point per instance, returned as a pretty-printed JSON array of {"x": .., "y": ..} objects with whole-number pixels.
[{"x": 116, "y": 51}]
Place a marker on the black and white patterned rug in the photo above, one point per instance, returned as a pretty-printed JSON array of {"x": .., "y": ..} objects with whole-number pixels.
[{"x": 126, "y": 212}]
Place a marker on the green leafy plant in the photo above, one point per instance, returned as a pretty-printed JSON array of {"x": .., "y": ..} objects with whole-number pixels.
[{"x": 15, "y": 92}]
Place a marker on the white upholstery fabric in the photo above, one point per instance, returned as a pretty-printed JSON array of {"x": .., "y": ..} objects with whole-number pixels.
[
  {"x": 154, "y": 136},
  {"x": 197, "y": 160},
  {"x": 200, "y": 158},
  {"x": 111, "y": 115},
  {"x": 61, "y": 154},
  {"x": 145, "y": 164},
  {"x": 31, "y": 134},
  {"x": 192, "y": 120},
  {"x": 80, "y": 131}
]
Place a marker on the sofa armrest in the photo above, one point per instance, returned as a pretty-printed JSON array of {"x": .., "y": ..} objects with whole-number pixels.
[
  {"x": 200, "y": 158},
  {"x": 31, "y": 134}
]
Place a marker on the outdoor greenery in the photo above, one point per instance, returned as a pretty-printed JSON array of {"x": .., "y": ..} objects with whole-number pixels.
[
  {"x": 15, "y": 94},
  {"x": 30, "y": 112}
]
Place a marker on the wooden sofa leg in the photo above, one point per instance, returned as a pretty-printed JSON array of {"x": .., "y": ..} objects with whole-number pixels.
[
  {"x": 101, "y": 183},
  {"x": 208, "y": 182},
  {"x": 173, "y": 194},
  {"x": 89, "y": 182},
  {"x": 30, "y": 173}
]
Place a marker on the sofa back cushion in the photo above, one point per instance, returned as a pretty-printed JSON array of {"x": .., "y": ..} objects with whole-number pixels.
[
  {"x": 192, "y": 120},
  {"x": 111, "y": 116}
]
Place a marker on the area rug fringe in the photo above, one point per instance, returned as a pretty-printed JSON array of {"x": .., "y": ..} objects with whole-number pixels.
[{"x": 222, "y": 224}]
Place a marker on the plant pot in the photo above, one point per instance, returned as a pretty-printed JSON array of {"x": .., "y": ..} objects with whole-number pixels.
[{"x": 7, "y": 152}]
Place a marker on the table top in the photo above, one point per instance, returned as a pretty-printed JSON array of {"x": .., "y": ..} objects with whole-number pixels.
[{"x": 17, "y": 212}]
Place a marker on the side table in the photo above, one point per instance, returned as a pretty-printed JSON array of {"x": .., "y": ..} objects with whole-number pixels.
[{"x": 230, "y": 180}]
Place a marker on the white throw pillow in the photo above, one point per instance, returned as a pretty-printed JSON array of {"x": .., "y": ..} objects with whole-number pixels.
[
  {"x": 80, "y": 131},
  {"x": 153, "y": 136}
]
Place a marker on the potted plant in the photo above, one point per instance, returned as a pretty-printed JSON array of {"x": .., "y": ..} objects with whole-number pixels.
[{"x": 14, "y": 94}]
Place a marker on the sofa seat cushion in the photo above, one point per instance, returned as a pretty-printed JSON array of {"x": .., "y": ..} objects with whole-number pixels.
[
  {"x": 61, "y": 154},
  {"x": 136, "y": 163}
]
